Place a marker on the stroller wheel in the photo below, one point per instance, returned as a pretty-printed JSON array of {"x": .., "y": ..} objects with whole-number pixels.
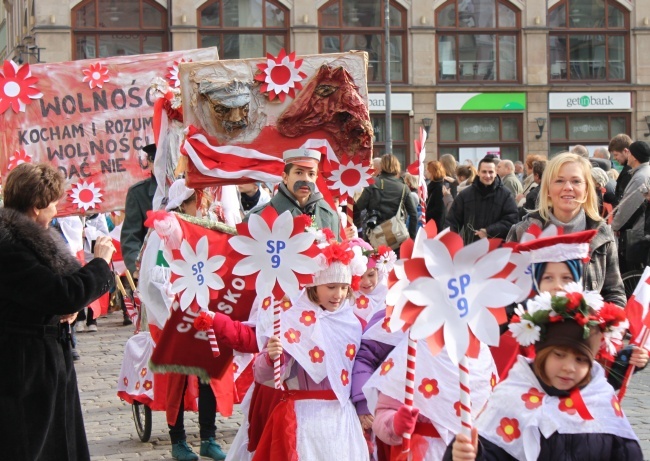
[{"x": 142, "y": 420}]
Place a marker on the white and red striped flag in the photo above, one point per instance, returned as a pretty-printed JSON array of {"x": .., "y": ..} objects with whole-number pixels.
[{"x": 638, "y": 306}]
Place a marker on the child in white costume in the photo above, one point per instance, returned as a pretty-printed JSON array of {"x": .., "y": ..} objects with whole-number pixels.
[
  {"x": 318, "y": 342},
  {"x": 370, "y": 295}
]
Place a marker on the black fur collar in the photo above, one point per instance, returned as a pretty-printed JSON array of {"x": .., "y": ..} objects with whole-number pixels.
[{"x": 47, "y": 244}]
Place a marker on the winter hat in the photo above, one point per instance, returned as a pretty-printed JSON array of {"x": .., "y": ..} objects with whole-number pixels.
[
  {"x": 574, "y": 265},
  {"x": 340, "y": 263},
  {"x": 570, "y": 333},
  {"x": 600, "y": 177},
  {"x": 552, "y": 245},
  {"x": 641, "y": 151},
  {"x": 178, "y": 193}
]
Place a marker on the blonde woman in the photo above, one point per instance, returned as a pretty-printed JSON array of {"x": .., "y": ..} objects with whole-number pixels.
[
  {"x": 451, "y": 181},
  {"x": 567, "y": 198}
]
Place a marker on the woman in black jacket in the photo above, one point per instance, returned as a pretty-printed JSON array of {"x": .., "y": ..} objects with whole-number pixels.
[
  {"x": 42, "y": 287},
  {"x": 436, "y": 192}
]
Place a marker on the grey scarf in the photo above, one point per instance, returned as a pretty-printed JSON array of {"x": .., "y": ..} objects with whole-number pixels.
[{"x": 577, "y": 224}]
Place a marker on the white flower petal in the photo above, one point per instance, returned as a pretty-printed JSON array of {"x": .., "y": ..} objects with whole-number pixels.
[
  {"x": 215, "y": 282},
  {"x": 202, "y": 248},
  {"x": 245, "y": 245},
  {"x": 248, "y": 265},
  {"x": 492, "y": 263},
  {"x": 485, "y": 327},
  {"x": 258, "y": 228},
  {"x": 187, "y": 297},
  {"x": 203, "y": 296},
  {"x": 180, "y": 284},
  {"x": 188, "y": 253},
  {"x": 467, "y": 256},
  {"x": 283, "y": 227},
  {"x": 300, "y": 242}
]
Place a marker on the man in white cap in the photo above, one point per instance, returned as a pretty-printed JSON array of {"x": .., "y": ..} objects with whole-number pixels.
[{"x": 297, "y": 191}]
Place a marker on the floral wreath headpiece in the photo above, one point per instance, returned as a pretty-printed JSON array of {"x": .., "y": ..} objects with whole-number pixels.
[
  {"x": 586, "y": 308},
  {"x": 340, "y": 263},
  {"x": 383, "y": 259}
]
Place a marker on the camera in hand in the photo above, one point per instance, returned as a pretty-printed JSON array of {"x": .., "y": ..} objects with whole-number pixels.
[{"x": 372, "y": 220}]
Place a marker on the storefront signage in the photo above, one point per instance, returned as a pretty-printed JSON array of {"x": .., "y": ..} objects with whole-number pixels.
[
  {"x": 399, "y": 102},
  {"x": 480, "y": 101},
  {"x": 590, "y": 101}
]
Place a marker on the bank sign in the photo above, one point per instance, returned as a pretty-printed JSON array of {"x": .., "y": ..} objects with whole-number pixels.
[{"x": 590, "y": 101}]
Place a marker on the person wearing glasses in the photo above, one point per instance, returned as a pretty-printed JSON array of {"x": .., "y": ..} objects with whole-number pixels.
[{"x": 567, "y": 198}]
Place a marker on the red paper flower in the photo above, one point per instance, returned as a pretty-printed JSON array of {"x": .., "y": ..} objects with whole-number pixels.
[
  {"x": 428, "y": 388},
  {"x": 308, "y": 318},
  {"x": 386, "y": 366},
  {"x": 610, "y": 315},
  {"x": 362, "y": 302},
  {"x": 266, "y": 303},
  {"x": 567, "y": 405},
  {"x": 137, "y": 385},
  {"x": 329, "y": 235},
  {"x": 337, "y": 252},
  {"x": 203, "y": 321},
  {"x": 617, "y": 405},
  {"x": 580, "y": 319},
  {"x": 86, "y": 195},
  {"x": 383, "y": 250},
  {"x": 143, "y": 372},
  {"x": 96, "y": 75},
  {"x": 556, "y": 318},
  {"x": 457, "y": 408},
  {"x": 19, "y": 157},
  {"x": 345, "y": 377},
  {"x": 317, "y": 354},
  {"x": 355, "y": 283},
  {"x": 147, "y": 385},
  {"x": 172, "y": 73},
  {"x": 351, "y": 351},
  {"x": 304, "y": 220},
  {"x": 493, "y": 381},
  {"x": 385, "y": 323},
  {"x": 293, "y": 336},
  {"x": 126, "y": 381},
  {"x": 533, "y": 398},
  {"x": 573, "y": 300},
  {"x": 508, "y": 430},
  {"x": 280, "y": 75},
  {"x": 17, "y": 87}
]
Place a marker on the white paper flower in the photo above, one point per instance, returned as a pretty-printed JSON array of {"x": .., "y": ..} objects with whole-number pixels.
[
  {"x": 350, "y": 178},
  {"x": 457, "y": 293},
  {"x": 592, "y": 298},
  {"x": 274, "y": 253},
  {"x": 197, "y": 274},
  {"x": 525, "y": 332},
  {"x": 386, "y": 262},
  {"x": 85, "y": 195},
  {"x": 541, "y": 302}
]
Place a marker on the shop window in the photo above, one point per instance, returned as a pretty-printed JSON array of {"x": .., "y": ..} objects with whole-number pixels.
[
  {"x": 589, "y": 130},
  {"x": 104, "y": 28},
  {"x": 588, "y": 40},
  {"x": 471, "y": 137},
  {"x": 243, "y": 29},
  {"x": 478, "y": 41},
  {"x": 346, "y": 25},
  {"x": 399, "y": 135}
]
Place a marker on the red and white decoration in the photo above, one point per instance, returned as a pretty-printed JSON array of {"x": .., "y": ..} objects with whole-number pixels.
[
  {"x": 172, "y": 73},
  {"x": 19, "y": 157},
  {"x": 417, "y": 169},
  {"x": 17, "y": 87},
  {"x": 96, "y": 75},
  {"x": 85, "y": 195},
  {"x": 195, "y": 274},
  {"x": 348, "y": 177},
  {"x": 280, "y": 75}
]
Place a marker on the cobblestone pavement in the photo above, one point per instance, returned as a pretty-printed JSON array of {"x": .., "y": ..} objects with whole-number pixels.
[{"x": 109, "y": 423}]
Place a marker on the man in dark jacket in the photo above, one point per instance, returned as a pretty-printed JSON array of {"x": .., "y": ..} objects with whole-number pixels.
[
  {"x": 486, "y": 209},
  {"x": 619, "y": 147}
]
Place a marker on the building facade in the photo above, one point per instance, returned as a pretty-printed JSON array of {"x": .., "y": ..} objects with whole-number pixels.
[{"x": 503, "y": 76}]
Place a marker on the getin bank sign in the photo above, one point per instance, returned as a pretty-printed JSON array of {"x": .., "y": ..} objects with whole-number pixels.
[{"x": 590, "y": 101}]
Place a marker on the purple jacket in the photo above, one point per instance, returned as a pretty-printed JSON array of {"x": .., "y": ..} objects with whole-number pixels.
[{"x": 370, "y": 356}]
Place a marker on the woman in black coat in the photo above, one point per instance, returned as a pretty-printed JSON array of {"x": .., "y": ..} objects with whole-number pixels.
[
  {"x": 42, "y": 287},
  {"x": 436, "y": 192}
]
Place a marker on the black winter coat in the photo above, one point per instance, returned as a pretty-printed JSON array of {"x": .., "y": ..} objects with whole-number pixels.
[
  {"x": 40, "y": 416},
  {"x": 385, "y": 196},
  {"x": 436, "y": 209},
  {"x": 483, "y": 207},
  {"x": 567, "y": 447}
]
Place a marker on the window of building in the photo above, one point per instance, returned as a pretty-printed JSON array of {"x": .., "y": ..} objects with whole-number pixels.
[
  {"x": 399, "y": 134},
  {"x": 588, "y": 40},
  {"x": 471, "y": 137},
  {"x": 567, "y": 130},
  {"x": 104, "y": 28},
  {"x": 243, "y": 29},
  {"x": 346, "y": 25},
  {"x": 478, "y": 41}
]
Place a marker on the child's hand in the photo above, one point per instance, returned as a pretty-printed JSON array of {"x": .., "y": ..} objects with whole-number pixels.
[
  {"x": 274, "y": 348},
  {"x": 405, "y": 419},
  {"x": 465, "y": 449},
  {"x": 639, "y": 357},
  {"x": 366, "y": 421}
]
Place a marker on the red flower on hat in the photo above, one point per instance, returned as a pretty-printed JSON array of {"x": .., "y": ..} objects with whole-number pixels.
[
  {"x": 351, "y": 351},
  {"x": 143, "y": 372},
  {"x": 337, "y": 252},
  {"x": 308, "y": 318},
  {"x": 567, "y": 405},
  {"x": 293, "y": 336},
  {"x": 147, "y": 385},
  {"x": 532, "y": 398},
  {"x": 610, "y": 315},
  {"x": 573, "y": 300},
  {"x": 580, "y": 319},
  {"x": 493, "y": 381},
  {"x": 616, "y": 404},
  {"x": 355, "y": 283},
  {"x": 386, "y": 366},
  {"x": 428, "y": 388},
  {"x": 362, "y": 302},
  {"x": 317, "y": 354},
  {"x": 345, "y": 377},
  {"x": 508, "y": 430},
  {"x": 385, "y": 323}
]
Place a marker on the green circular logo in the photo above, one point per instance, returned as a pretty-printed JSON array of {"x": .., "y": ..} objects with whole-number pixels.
[{"x": 584, "y": 101}]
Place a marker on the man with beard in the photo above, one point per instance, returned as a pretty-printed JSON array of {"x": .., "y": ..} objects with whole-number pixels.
[
  {"x": 297, "y": 192},
  {"x": 227, "y": 105}
]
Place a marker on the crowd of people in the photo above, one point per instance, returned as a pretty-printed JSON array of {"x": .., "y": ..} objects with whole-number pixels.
[{"x": 342, "y": 373}]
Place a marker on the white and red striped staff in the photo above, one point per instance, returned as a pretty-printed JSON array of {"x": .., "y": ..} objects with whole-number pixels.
[
  {"x": 422, "y": 184},
  {"x": 277, "y": 379},
  {"x": 409, "y": 387},
  {"x": 465, "y": 403}
]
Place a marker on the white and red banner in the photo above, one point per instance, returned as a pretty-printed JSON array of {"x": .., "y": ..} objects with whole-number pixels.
[{"x": 87, "y": 118}]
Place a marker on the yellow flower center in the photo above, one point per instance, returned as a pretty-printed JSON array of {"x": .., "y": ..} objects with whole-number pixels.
[
  {"x": 569, "y": 403},
  {"x": 509, "y": 430},
  {"x": 534, "y": 399}
]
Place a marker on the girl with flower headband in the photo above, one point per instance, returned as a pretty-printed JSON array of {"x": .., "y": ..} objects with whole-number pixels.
[
  {"x": 317, "y": 346},
  {"x": 559, "y": 405}
]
